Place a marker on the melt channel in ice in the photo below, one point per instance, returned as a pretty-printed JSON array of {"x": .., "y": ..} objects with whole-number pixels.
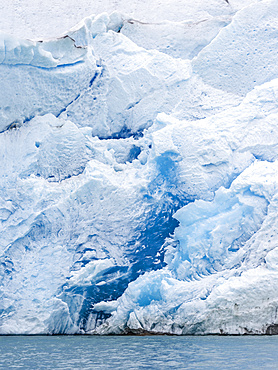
[{"x": 139, "y": 175}]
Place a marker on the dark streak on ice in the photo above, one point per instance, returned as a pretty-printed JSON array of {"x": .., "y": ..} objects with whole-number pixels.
[
  {"x": 66, "y": 107},
  {"x": 44, "y": 68},
  {"x": 93, "y": 79}
]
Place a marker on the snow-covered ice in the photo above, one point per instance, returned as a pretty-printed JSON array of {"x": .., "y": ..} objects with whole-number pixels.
[{"x": 139, "y": 167}]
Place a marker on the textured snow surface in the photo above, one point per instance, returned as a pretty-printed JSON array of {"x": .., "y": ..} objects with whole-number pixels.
[{"x": 139, "y": 167}]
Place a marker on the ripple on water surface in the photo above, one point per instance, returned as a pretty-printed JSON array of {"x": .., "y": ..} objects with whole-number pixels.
[{"x": 134, "y": 352}]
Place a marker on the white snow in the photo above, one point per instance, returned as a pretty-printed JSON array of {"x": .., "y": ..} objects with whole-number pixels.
[{"x": 38, "y": 19}]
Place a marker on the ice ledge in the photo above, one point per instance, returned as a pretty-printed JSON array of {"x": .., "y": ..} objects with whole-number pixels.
[
  {"x": 46, "y": 54},
  {"x": 65, "y": 50},
  {"x": 91, "y": 26}
]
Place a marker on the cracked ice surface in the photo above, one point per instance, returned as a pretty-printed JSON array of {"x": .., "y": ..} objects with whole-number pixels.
[{"x": 138, "y": 177}]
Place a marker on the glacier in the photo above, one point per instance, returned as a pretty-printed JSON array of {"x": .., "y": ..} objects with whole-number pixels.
[{"x": 139, "y": 171}]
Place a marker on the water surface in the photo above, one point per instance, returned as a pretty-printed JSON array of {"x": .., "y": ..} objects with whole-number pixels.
[{"x": 134, "y": 352}]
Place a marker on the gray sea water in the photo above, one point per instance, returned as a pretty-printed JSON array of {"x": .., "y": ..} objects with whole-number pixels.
[{"x": 133, "y": 352}]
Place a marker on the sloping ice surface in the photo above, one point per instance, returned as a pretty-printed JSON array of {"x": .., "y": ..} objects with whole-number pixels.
[{"x": 139, "y": 176}]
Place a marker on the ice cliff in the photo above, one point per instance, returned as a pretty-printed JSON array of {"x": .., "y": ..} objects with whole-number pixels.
[{"x": 139, "y": 174}]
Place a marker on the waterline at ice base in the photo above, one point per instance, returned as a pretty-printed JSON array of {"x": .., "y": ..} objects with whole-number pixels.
[{"x": 139, "y": 173}]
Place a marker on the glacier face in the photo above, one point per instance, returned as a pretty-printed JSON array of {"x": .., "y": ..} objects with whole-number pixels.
[{"x": 138, "y": 177}]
